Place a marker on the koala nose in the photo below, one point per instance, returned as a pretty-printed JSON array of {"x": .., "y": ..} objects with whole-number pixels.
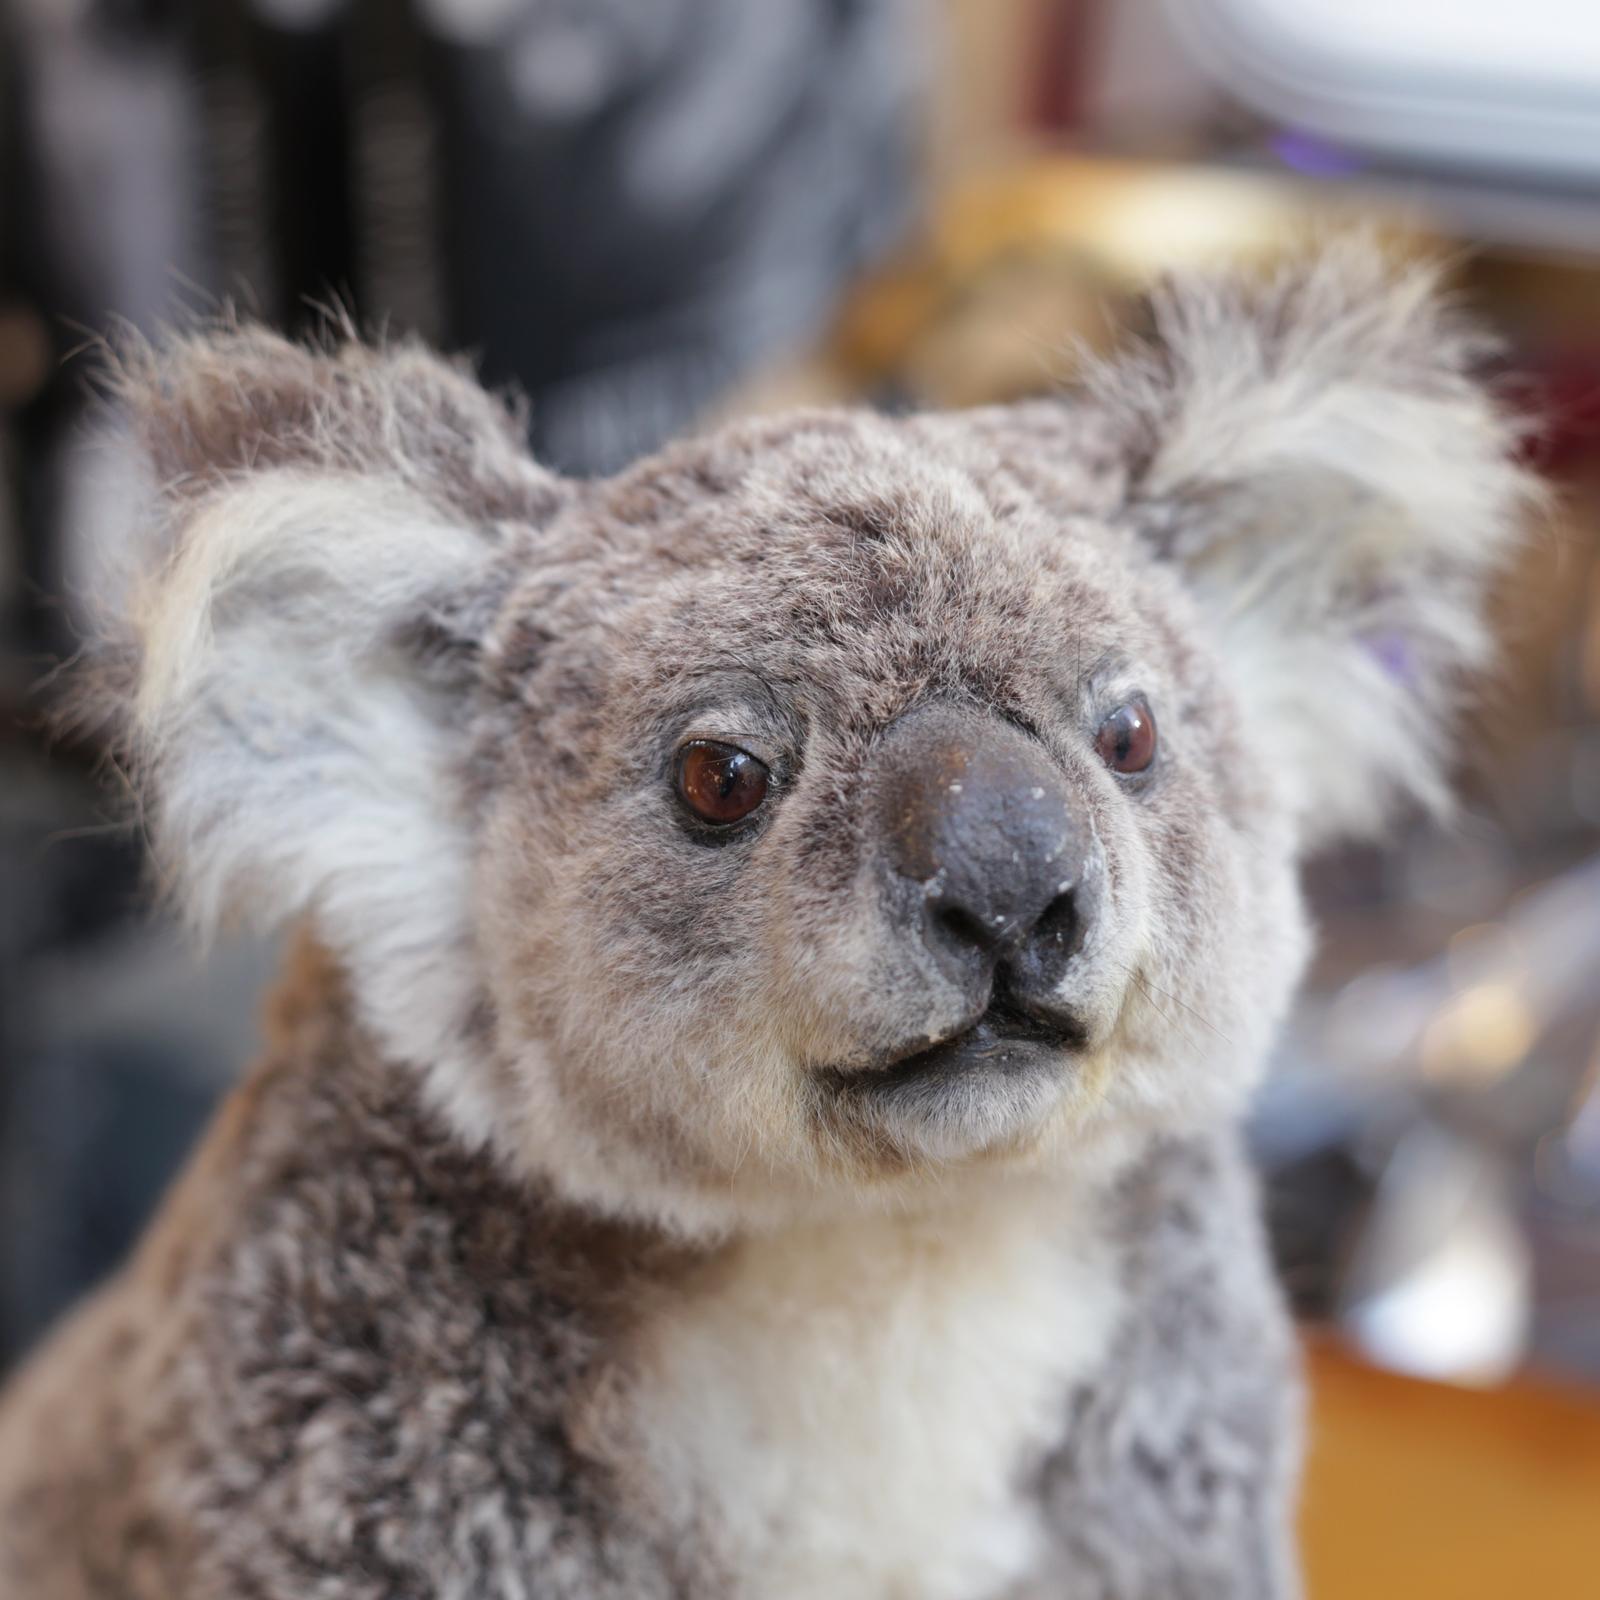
[{"x": 979, "y": 819}]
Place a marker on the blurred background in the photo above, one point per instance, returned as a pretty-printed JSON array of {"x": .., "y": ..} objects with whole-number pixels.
[{"x": 647, "y": 213}]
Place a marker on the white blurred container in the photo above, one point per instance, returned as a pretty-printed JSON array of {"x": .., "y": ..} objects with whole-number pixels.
[{"x": 1474, "y": 84}]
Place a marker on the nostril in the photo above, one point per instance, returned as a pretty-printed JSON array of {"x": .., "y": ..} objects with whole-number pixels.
[
  {"x": 1050, "y": 946},
  {"x": 962, "y": 929},
  {"x": 1058, "y": 933},
  {"x": 1030, "y": 975}
]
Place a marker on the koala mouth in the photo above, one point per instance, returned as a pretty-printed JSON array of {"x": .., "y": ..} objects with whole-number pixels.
[{"x": 1007, "y": 1040}]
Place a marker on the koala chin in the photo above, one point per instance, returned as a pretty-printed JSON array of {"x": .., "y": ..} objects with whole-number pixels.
[{"x": 786, "y": 937}]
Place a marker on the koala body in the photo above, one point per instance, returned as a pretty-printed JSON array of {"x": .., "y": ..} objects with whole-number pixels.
[{"x": 790, "y": 933}]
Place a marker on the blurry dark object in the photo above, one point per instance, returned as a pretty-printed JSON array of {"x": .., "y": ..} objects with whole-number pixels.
[
  {"x": 621, "y": 207},
  {"x": 643, "y": 198},
  {"x": 306, "y": 77},
  {"x": 92, "y": 1136}
]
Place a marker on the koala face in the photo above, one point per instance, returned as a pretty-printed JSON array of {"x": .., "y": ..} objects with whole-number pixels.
[
  {"x": 833, "y": 810},
  {"x": 881, "y": 821}
]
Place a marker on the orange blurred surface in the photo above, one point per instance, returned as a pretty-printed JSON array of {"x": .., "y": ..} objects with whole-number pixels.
[{"x": 1424, "y": 1491}]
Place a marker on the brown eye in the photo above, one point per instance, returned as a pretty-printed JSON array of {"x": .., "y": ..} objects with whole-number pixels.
[
  {"x": 1126, "y": 741},
  {"x": 720, "y": 783}
]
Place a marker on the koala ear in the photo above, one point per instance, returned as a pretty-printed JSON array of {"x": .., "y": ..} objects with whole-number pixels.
[
  {"x": 291, "y": 678},
  {"x": 1312, "y": 448}
]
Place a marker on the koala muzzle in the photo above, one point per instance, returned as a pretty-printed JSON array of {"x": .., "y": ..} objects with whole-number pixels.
[{"x": 988, "y": 844}]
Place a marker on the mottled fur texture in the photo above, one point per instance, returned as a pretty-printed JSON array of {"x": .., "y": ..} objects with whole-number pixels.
[{"x": 549, "y": 1253}]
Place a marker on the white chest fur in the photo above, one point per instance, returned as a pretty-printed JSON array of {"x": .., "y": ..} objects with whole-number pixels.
[{"x": 848, "y": 1411}]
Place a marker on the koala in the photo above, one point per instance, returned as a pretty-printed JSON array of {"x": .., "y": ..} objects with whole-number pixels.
[{"x": 784, "y": 940}]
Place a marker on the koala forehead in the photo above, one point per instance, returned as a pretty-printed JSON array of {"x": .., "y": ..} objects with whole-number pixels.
[{"x": 857, "y": 561}]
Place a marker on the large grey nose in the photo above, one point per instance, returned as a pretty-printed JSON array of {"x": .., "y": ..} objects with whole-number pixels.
[{"x": 976, "y": 815}]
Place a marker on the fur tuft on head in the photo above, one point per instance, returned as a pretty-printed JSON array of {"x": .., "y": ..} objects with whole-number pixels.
[
  {"x": 1315, "y": 448},
  {"x": 235, "y": 398}
]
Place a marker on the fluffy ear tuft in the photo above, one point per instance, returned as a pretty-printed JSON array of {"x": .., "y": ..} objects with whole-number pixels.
[
  {"x": 1315, "y": 450},
  {"x": 237, "y": 398},
  {"x": 293, "y": 672}
]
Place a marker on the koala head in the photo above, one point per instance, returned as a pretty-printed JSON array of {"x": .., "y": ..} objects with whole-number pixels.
[{"x": 834, "y": 809}]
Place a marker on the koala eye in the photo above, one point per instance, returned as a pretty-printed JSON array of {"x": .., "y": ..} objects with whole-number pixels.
[
  {"x": 720, "y": 783},
  {"x": 1126, "y": 741}
]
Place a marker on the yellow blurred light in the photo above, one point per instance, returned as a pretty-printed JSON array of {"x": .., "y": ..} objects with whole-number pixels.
[
  {"x": 1479, "y": 1035},
  {"x": 1196, "y": 220}
]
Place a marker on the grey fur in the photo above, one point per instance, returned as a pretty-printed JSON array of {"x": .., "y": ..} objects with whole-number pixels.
[
  {"x": 1181, "y": 1460},
  {"x": 544, "y": 1257}
]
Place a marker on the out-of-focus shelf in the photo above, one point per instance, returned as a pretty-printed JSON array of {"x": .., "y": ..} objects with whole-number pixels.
[{"x": 1426, "y": 1490}]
